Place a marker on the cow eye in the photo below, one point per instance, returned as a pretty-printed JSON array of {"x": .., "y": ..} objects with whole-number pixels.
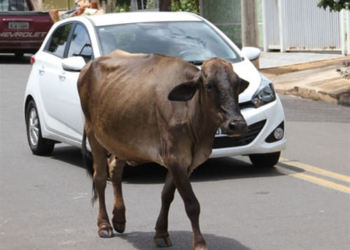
[{"x": 208, "y": 86}]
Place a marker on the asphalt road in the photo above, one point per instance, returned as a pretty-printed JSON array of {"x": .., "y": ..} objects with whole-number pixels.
[{"x": 301, "y": 204}]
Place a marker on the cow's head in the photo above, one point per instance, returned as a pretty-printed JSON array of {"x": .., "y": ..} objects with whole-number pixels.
[{"x": 219, "y": 87}]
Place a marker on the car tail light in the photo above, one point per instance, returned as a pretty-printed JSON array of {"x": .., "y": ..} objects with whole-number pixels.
[{"x": 32, "y": 60}]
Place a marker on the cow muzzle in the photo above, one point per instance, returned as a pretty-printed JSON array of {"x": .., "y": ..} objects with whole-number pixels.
[{"x": 235, "y": 128}]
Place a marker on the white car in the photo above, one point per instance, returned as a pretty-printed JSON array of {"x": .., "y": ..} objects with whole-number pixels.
[{"x": 52, "y": 107}]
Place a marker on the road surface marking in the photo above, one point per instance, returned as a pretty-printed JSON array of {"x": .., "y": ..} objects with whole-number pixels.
[
  {"x": 4, "y": 223},
  {"x": 322, "y": 182},
  {"x": 313, "y": 179},
  {"x": 315, "y": 170}
]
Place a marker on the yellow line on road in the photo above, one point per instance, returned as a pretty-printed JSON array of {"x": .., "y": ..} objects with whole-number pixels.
[
  {"x": 322, "y": 182},
  {"x": 313, "y": 179},
  {"x": 4, "y": 223},
  {"x": 315, "y": 170}
]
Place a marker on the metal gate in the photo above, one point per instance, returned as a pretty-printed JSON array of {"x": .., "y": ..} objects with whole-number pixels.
[{"x": 301, "y": 25}]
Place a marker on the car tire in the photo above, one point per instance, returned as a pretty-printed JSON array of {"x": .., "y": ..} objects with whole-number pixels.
[
  {"x": 265, "y": 160},
  {"x": 37, "y": 143}
]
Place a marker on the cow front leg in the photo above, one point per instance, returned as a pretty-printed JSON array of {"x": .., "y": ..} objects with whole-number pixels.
[
  {"x": 161, "y": 239},
  {"x": 116, "y": 172},
  {"x": 183, "y": 185}
]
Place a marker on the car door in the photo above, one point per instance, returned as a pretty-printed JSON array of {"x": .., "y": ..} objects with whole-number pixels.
[
  {"x": 80, "y": 45},
  {"x": 51, "y": 79},
  {"x": 59, "y": 87}
]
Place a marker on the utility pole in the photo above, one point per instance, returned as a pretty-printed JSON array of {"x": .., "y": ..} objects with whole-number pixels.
[{"x": 249, "y": 25}]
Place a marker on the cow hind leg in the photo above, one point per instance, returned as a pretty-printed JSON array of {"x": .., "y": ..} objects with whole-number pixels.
[
  {"x": 161, "y": 239},
  {"x": 100, "y": 176},
  {"x": 116, "y": 171}
]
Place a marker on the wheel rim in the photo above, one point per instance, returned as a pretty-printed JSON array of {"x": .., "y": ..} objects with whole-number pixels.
[{"x": 33, "y": 127}]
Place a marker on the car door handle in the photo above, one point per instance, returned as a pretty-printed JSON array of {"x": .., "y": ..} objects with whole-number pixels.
[
  {"x": 62, "y": 76},
  {"x": 42, "y": 70}
]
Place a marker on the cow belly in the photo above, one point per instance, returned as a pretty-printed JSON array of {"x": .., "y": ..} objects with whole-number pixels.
[
  {"x": 130, "y": 143},
  {"x": 129, "y": 136}
]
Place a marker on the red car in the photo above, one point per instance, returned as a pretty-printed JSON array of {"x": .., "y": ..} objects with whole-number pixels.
[{"x": 22, "y": 29}]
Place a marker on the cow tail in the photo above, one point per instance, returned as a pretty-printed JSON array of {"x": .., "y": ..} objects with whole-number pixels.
[{"x": 88, "y": 165}]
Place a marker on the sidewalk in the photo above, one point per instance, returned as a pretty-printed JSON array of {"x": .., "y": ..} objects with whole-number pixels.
[{"x": 308, "y": 75}]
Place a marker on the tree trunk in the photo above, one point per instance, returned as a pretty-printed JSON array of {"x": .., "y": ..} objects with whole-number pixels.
[
  {"x": 198, "y": 7},
  {"x": 164, "y": 5}
]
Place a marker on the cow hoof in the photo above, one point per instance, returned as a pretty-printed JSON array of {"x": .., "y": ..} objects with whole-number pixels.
[
  {"x": 119, "y": 227},
  {"x": 162, "y": 241},
  {"x": 105, "y": 232},
  {"x": 201, "y": 248}
]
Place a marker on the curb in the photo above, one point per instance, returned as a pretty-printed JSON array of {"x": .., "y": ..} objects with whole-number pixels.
[
  {"x": 310, "y": 94},
  {"x": 342, "y": 99},
  {"x": 310, "y": 89},
  {"x": 301, "y": 66}
]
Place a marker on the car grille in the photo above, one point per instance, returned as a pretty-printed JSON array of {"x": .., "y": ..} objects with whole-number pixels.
[
  {"x": 245, "y": 105},
  {"x": 228, "y": 142}
]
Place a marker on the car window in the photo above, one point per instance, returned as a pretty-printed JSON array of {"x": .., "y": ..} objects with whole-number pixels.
[
  {"x": 191, "y": 41},
  {"x": 59, "y": 39},
  {"x": 80, "y": 44},
  {"x": 14, "y": 5}
]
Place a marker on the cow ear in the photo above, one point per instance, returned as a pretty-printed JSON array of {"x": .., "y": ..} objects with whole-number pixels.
[
  {"x": 183, "y": 92},
  {"x": 244, "y": 84}
]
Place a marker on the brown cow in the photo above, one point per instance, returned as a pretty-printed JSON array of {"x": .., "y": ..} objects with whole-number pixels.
[{"x": 152, "y": 108}]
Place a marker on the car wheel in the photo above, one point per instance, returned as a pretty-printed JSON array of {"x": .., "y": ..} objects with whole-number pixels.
[
  {"x": 37, "y": 143},
  {"x": 265, "y": 160}
]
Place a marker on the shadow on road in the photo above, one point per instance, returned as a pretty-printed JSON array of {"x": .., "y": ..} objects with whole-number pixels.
[
  {"x": 68, "y": 154},
  {"x": 12, "y": 59},
  {"x": 181, "y": 240},
  {"x": 212, "y": 170}
]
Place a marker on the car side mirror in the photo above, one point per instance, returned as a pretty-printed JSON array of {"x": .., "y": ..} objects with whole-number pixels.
[
  {"x": 75, "y": 63},
  {"x": 251, "y": 53}
]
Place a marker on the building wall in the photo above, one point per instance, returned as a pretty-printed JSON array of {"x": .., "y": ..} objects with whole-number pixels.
[{"x": 226, "y": 15}]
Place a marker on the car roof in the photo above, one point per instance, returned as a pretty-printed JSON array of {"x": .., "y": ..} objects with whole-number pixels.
[{"x": 145, "y": 16}]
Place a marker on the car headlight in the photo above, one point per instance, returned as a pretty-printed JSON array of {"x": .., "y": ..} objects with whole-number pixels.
[{"x": 265, "y": 94}]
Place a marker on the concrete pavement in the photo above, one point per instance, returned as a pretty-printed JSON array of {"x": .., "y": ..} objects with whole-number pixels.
[{"x": 308, "y": 75}]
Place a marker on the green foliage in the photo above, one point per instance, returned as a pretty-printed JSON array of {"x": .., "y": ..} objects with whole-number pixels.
[
  {"x": 184, "y": 5},
  {"x": 334, "y": 5},
  {"x": 122, "y": 8},
  {"x": 150, "y": 4},
  {"x": 122, "y": 2}
]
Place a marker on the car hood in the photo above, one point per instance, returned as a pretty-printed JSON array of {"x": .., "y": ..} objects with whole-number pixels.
[{"x": 247, "y": 71}]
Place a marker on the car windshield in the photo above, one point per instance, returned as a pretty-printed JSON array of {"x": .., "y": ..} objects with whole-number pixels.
[{"x": 194, "y": 42}]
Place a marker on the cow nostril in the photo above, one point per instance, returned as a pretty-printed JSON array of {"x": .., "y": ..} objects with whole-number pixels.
[
  {"x": 237, "y": 127},
  {"x": 232, "y": 126}
]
